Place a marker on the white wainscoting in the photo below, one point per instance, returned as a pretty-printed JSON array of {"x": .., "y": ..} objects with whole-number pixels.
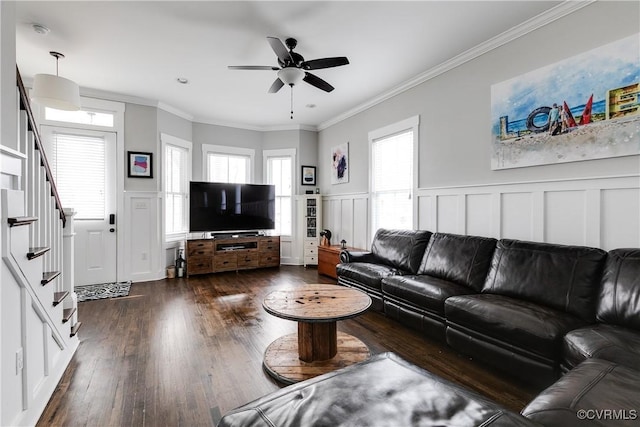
[
  {"x": 144, "y": 257},
  {"x": 597, "y": 212},
  {"x": 347, "y": 216}
]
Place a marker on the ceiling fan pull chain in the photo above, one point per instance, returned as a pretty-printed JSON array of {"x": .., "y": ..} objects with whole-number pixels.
[{"x": 291, "y": 102}]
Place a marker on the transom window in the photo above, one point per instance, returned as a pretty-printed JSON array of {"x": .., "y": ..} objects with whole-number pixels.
[{"x": 84, "y": 117}]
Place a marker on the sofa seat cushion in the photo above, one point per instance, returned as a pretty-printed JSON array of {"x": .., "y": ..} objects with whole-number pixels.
[
  {"x": 424, "y": 292},
  {"x": 608, "y": 342},
  {"x": 596, "y": 393},
  {"x": 382, "y": 391},
  {"x": 369, "y": 275},
  {"x": 536, "y": 329}
]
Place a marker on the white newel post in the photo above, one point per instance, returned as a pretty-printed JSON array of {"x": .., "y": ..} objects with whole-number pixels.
[{"x": 68, "y": 237}]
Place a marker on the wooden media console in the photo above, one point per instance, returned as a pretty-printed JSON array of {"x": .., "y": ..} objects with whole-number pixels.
[{"x": 232, "y": 254}]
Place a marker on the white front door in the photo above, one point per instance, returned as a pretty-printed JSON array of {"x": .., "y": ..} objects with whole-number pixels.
[{"x": 84, "y": 167}]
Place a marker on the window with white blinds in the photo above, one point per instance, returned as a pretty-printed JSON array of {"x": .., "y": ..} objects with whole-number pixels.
[
  {"x": 392, "y": 180},
  {"x": 228, "y": 168},
  {"x": 177, "y": 174},
  {"x": 79, "y": 165},
  {"x": 280, "y": 174},
  {"x": 176, "y": 189}
]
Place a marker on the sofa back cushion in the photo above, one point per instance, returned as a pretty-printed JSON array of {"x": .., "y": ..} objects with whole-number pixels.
[
  {"x": 460, "y": 259},
  {"x": 562, "y": 277},
  {"x": 619, "y": 299},
  {"x": 402, "y": 249}
]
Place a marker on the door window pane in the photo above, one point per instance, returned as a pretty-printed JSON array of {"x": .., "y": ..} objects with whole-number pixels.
[{"x": 79, "y": 166}]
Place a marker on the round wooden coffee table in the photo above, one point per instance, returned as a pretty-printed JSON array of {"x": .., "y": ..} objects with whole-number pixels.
[{"x": 317, "y": 348}]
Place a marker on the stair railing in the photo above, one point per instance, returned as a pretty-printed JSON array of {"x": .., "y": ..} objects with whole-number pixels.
[{"x": 42, "y": 201}]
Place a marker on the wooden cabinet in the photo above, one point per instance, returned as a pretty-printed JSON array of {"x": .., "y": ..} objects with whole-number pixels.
[
  {"x": 329, "y": 257},
  {"x": 232, "y": 254},
  {"x": 269, "y": 252},
  {"x": 311, "y": 226}
]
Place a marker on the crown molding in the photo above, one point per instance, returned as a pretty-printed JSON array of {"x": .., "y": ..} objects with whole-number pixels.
[
  {"x": 175, "y": 111},
  {"x": 563, "y": 9},
  {"x": 210, "y": 121},
  {"x": 119, "y": 97}
]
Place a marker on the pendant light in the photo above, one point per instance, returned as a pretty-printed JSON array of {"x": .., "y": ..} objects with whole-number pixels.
[
  {"x": 291, "y": 76},
  {"x": 55, "y": 91}
]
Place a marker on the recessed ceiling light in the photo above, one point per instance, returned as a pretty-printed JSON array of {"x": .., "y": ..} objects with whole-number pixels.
[
  {"x": 182, "y": 80},
  {"x": 310, "y": 105},
  {"x": 40, "y": 29}
]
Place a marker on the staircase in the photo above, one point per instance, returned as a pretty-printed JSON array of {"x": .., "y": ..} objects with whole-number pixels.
[{"x": 39, "y": 306}]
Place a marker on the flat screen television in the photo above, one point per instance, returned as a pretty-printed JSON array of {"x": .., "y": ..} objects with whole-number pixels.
[{"x": 216, "y": 207}]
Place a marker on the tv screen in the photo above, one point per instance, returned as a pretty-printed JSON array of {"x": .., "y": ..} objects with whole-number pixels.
[{"x": 216, "y": 206}]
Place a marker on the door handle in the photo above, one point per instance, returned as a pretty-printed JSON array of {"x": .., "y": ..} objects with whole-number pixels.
[{"x": 112, "y": 219}]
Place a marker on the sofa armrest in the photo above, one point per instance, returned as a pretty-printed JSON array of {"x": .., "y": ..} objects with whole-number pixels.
[{"x": 358, "y": 256}]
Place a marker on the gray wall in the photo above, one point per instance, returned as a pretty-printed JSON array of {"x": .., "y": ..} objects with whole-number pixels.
[
  {"x": 175, "y": 126},
  {"x": 141, "y": 134},
  {"x": 454, "y": 109},
  {"x": 307, "y": 156},
  {"x": 8, "y": 112}
]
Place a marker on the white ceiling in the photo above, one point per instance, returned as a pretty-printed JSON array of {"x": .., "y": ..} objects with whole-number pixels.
[{"x": 138, "y": 49}]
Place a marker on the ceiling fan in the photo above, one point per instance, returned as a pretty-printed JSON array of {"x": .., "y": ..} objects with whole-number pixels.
[{"x": 293, "y": 68}]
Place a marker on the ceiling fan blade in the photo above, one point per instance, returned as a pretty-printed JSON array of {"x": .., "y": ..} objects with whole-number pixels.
[
  {"x": 316, "y": 81},
  {"x": 253, "y": 67},
  {"x": 277, "y": 84},
  {"x": 317, "y": 64},
  {"x": 279, "y": 48}
]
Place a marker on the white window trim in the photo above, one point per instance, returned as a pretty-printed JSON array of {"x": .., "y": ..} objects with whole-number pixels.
[
  {"x": 412, "y": 123},
  {"x": 224, "y": 149},
  {"x": 167, "y": 139},
  {"x": 285, "y": 152}
]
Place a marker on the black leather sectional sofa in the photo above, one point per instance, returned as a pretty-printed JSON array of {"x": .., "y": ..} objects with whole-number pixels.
[
  {"x": 535, "y": 310},
  {"x": 566, "y": 317}
]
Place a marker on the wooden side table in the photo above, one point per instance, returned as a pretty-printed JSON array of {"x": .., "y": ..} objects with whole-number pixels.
[{"x": 328, "y": 257}]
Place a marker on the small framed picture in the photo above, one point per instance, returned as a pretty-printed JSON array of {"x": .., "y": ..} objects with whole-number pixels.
[
  {"x": 308, "y": 175},
  {"x": 140, "y": 165}
]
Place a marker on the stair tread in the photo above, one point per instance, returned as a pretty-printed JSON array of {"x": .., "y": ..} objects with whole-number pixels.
[
  {"x": 59, "y": 296},
  {"x": 67, "y": 313},
  {"x": 48, "y": 276},
  {"x": 21, "y": 220},
  {"x": 74, "y": 329},
  {"x": 36, "y": 252}
]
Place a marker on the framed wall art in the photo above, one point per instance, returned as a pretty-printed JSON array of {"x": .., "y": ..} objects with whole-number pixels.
[
  {"x": 340, "y": 164},
  {"x": 308, "y": 175},
  {"x": 581, "y": 108},
  {"x": 140, "y": 165}
]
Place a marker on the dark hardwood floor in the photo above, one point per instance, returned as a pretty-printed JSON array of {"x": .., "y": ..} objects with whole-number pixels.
[{"x": 182, "y": 352}]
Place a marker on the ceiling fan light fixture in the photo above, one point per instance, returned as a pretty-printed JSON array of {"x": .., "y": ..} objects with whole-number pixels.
[
  {"x": 291, "y": 76},
  {"x": 55, "y": 91}
]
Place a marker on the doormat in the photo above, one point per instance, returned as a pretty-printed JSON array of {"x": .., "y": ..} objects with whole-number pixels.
[{"x": 102, "y": 291}]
